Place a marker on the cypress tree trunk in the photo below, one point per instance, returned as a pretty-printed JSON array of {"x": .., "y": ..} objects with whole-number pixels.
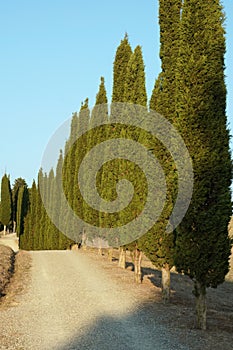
[
  {"x": 200, "y": 294},
  {"x": 84, "y": 238},
  {"x": 4, "y": 230},
  {"x": 166, "y": 282},
  {"x": 137, "y": 265},
  {"x": 122, "y": 258},
  {"x": 110, "y": 252}
]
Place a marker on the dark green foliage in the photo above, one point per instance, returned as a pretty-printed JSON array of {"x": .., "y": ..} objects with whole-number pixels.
[
  {"x": 15, "y": 191},
  {"x": 22, "y": 208},
  {"x": 26, "y": 237},
  {"x": 158, "y": 244},
  {"x": 6, "y": 201},
  {"x": 80, "y": 151},
  {"x": 202, "y": 244},
  {"x": 163, "y": 95}
]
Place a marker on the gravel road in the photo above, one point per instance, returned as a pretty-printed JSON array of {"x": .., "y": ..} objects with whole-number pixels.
[{"x": 73, "y": 303}]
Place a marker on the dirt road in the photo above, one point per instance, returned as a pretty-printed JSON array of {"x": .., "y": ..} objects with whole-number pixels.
[
  {"x": 10, "y": 240},
  {"x": 74, "y": 304}
]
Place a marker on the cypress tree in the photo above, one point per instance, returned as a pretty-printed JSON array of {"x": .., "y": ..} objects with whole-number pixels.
[
  {"x": 32, "y": 219},
  {"x": 158, "y": 244},
  {"x": 135, "y": 84},
  {"x": 6, "y": 202},
  {"x": 24, "y": 218},
  {"x": 163, "y": 95},
  {"x": 110, "y": 175},
  {"x": 22, "y": 208},
  {"x": 81, "y": 147},
  {"x": 17, "y": 184},
  {"x": 69, "y": 165},
  {"x": 97, "y": 134},
  {"x": 41, "y": 224},
  {"x": 37, "y": 240},
  {"x": 50, "y": 229},
  {"x": 122, "y": 57},
  {"x": 101, "y": 96},
  {"x": 135, "y": 93},
  {"x": 57, "y": 205},
  {"x": 202, "y": 243}
]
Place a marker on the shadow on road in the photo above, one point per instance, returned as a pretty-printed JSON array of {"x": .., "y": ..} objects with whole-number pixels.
[{"x": 148, "y": 328}]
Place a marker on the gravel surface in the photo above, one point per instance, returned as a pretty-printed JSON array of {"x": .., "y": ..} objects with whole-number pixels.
[{"x": 73, "y": 303}]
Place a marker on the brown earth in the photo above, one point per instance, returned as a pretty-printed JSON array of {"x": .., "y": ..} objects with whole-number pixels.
[
  {"x": 18, "y": 275},
  {"x": 6, "y": 267}
]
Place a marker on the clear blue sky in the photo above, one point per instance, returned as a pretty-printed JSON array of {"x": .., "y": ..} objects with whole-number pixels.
[{"x": 53, "y": 53}]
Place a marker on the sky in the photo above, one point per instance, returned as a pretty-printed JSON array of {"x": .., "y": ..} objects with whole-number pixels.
[{"x": 53, "y": 53}]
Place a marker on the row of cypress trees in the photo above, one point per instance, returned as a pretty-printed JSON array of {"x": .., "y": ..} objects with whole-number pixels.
[
  {"x": 13, "y": 204},
  {"x": 6, "y": 203},
  {"x": 190, "y": 92},
  {"x": 130, "y": 67}
]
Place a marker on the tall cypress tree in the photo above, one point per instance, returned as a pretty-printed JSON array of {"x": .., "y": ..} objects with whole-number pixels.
[
  {"x": 122, "y": 57},
  {"x": 97, "y": 134},
  {"x": 135, "y": 82},
  {"x": 32, "y": 211},
  {"x": 110, "y": 172},
  {"x": 6, "y": 202},
  {"x": 160, "y": 243},
  {"x": 163, "y": 95},
  {"x": 80, "y": 149},
  {"x": 15, "y": 191},
  {"x": 135, "y": 93},
  {"x": 41, "y": 224},
  {"x": 202, "y": 243},
  {"x": 69, "y": 164},
  {"x": 22, "y": 208},
  {"x": 101, "y": 96},
  {"x": 24, "y": 218},
  {"x": 57, "y": 205}
]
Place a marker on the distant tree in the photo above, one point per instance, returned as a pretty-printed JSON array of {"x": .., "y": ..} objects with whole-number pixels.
[
  {"x": 33, "y": 219},
  {"x": 101, "y": 96},
  {"x": 202, "y": 243},
  {"x": 22, "y": 208},
  {"x": 57, "y": 212},
  {"x": 6, "y": 202},
  {"x": 19, "y": 182}
]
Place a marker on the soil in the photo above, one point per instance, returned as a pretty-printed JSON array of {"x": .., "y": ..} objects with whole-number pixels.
[{"x": 6, "y": 267}]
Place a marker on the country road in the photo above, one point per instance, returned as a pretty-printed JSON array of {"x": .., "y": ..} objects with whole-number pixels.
[{"x": 72, "y": 303}]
